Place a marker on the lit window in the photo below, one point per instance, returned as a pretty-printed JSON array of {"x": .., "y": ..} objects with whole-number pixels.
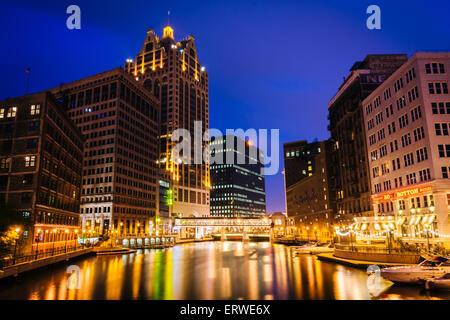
[
  {"x": 2, "y": 113},
  {"x": 30, "y": 161},
  {"x": 35, "y": 109},
  {"x": 11, "y": 112}
]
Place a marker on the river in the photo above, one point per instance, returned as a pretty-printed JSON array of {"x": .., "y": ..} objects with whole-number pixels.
[{"x": 206, "y": 270}]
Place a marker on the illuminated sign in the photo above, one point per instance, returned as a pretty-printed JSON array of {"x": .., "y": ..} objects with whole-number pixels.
[
  {"x": 383, "y": 197},
  {"x": 401, "y": 194},
  {"x": 412, "y": 191}
]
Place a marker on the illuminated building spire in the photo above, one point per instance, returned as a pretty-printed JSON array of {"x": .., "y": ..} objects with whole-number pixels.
[{"x": 168, "y": 31}]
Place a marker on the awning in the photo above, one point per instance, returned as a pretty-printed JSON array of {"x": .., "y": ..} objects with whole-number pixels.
[
  {"x": 401, "y": 220},
  {"x": 357, "y": 225},
  {"x": 377, "y": 226},
  {"x": 418, "y": 218},
  {"x": 364, "y": 226},
  {"x": 391, "y": 226},
  {"x": 431, "y": 219}
]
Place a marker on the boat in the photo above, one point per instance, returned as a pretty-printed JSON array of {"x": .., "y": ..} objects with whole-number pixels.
[
  {"x": 417, "y": 274},
  {"x": 314, "y": 249},
  {"x": 442, "y": 283}
]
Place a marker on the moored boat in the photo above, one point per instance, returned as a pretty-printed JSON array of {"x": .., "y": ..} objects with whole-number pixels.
[
  {"x": 417, "y": 274},
  {"x": 442, "y": 283}
]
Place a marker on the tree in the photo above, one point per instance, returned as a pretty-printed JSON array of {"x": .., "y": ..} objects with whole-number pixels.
[{"x": 10, "y": 219}]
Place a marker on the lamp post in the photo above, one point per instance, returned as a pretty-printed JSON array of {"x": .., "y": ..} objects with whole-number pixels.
[
  {"x": 54, "y": 238},
  {"x": 65, "y": 245},
  {"x": 428, "y": 237},
  {"x": 15, "y": 246},
  {"x": 76, "y": 239},
  {"x": 38, "y": 238}
]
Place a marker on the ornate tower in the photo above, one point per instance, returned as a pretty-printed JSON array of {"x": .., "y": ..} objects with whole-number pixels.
[{"x": 172, "y": 72}]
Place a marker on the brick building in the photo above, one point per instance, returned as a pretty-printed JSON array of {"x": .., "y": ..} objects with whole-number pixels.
[
  {"x": 41, "y": 167},
  {"x": 352, "y": 182},
  {"x": 309, "y": 200}
]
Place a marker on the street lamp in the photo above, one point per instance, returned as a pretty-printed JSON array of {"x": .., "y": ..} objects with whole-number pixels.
[
  {"x": 54, "y": 238},
  {"x": 65, "y": 245},
  {"x": 38, "y": 238},
  {"x": 428, "y": 236},
  {"x": 76, "y": 239}
]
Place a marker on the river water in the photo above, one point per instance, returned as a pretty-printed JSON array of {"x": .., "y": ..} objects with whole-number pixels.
[{"x": 207, "y": 270}]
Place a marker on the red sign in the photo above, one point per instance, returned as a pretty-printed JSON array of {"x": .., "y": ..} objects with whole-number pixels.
[
  {"x": 401, "y": 194},
  {"x": 412, "y": 191}
]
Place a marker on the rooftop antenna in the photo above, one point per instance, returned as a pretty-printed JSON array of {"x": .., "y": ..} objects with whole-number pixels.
[{"x": 168, "y": 18}]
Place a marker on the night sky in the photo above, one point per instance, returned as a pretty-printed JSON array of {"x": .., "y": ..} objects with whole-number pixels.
[{"x": 271, "y": 64}]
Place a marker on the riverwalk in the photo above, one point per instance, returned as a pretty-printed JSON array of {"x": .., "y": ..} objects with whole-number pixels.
[{"x": 27, "y": 266}]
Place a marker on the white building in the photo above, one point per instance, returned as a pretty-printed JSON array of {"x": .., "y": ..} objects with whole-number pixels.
[{"x": 407, "y": 123}]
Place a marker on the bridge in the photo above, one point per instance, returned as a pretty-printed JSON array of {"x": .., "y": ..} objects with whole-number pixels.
[{"x": 225, "y": 228}]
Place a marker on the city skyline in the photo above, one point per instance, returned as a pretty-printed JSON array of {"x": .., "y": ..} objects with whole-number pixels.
[{"x": 245, "y": 37}]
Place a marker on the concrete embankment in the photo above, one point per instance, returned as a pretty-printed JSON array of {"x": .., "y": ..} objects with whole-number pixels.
[
  {"x": 360, "y": 264},
  {"x": 40, "y": 263}
]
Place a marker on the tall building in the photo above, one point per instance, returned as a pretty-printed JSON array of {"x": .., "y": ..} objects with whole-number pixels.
[
  {"x": 407, "y": 123},
  {"x": 238, "y": 188},
  {"x": 40, "y": 167},
  {"x": 119, "y": 120},
  {"x": 352, "y": 182},
  {"x": 309, "y": 200},
  {"x": 172, "y": 72}
]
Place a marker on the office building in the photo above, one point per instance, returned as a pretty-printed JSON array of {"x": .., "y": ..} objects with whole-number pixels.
[
  {"x": 238, "y": 188},
  {"x": 119, "y": 120},
  {"x": 172, "y": 72},
  {"x": 352, "y": 182},
  {"x": 407, "y": 124},
  {"x": 40, "y": 169}
]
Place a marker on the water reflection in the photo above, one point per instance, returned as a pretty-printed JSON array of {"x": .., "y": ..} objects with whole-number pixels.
[{"x": 214, "y": 270}]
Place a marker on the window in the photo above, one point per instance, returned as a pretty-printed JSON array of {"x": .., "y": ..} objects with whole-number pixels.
[
  {"x": 445, "y": 171},
  {"x": 32, "y": 143},
  {"x": 444, "y": 150},
  {"x": 4, "y": 163},
  {"x": 424, "y": 175},
  {"x": 30, "y": 161},
  {"x": 403, "y": 121},
  {"x": 434, "y": 68},
  {"x": 416, "y": 113},
  {"x": 411, "y": 74},
  {"x": 411, "y": 178},
  {"x": 406, "y": 140},
  {"x": 35, "y": 109},
  {"x": 419, "y": 134},
  {"x": 438, "y": 88},
  {"x": 408, "y": 159},
  {"x": 27, "y": 179},
  {"x": 11, "y": 112},
  {"x": 437, "y": 108},
  {"x": 413, "y": 94},
  {"x": 422, "y": 154},
  {"x": 33, "y": 126},
  {"x": 441, "y": 129}
]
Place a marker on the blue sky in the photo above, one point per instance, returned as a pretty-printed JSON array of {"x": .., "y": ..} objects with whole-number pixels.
[{"x": 272, "y": 64}]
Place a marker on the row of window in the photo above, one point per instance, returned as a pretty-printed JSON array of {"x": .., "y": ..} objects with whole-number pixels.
[{"x": 411, "y": 178}]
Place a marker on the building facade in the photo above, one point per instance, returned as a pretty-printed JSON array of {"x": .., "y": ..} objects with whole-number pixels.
[
  {"x": 352, "y": 181},
  {"x": 172, "y": 72},
  {"x": 238, "y": 188},
  {"x": 41, "y": 167},
  {"x": 119, "y": 120},
  {"x": 310, "y": 202},
  {"x": 407, "y": 123}
]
